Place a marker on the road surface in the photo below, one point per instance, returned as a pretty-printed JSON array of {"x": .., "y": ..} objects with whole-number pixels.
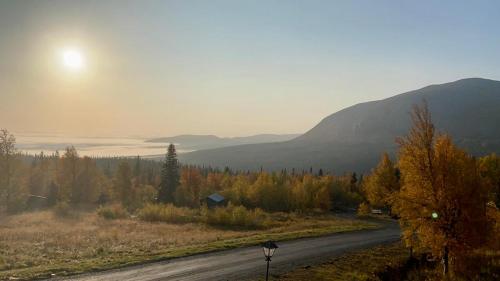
[{"x": 243, "y": 263}]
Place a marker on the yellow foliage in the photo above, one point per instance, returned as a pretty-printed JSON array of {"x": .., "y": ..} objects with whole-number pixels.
[
  {"x": 442, "y": 202},
  {"x": 381, "y": 185},
  {"x": 188, "y": 192},
  {"x": 364, "y": 209}
]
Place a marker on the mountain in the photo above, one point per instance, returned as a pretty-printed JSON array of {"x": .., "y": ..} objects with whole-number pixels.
[
  {"x": 197, "y": 142},
  {"x": 354, "y": 138}
]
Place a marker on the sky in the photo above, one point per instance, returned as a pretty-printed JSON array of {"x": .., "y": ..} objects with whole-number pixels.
[{"x": 229, "y": 68}]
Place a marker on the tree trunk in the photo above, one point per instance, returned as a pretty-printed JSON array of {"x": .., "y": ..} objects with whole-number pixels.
[{"x": 445, "y": 262}]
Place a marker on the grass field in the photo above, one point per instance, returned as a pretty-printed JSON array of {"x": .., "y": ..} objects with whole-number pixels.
[
  {"x": 353, "y": 266},
  {"x": 39, "y": 244}
]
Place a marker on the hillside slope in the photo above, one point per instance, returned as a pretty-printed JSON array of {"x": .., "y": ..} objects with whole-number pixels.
[
  {"x": 353, "y": 139},
  {"x": 197, "y": 142}
]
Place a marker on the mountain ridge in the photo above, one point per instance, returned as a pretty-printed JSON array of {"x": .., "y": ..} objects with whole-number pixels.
[
  {"x": 196, "y": 142},
  {"x": 353, "y": 138}
]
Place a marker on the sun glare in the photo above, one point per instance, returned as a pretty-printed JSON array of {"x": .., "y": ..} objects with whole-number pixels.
[{"x": 73, "y": 59}]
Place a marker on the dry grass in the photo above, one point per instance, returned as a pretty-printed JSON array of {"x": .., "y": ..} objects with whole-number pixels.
[
  {"x": 354, "y": 266},
  {"x": 39, "y": 244},
  {"x": 390, "y": 262}
]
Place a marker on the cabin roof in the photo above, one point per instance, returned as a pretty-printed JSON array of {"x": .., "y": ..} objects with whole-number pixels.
[{"x": 216, "y": 197}]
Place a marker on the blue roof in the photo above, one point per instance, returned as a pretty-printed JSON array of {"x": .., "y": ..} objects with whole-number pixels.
[{"x": 216, "y": 197}]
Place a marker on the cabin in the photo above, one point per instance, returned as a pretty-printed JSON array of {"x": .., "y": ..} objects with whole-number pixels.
[{"x": 215, "y": 200}]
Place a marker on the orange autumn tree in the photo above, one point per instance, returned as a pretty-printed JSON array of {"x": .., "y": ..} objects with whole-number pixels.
[
  {"x": 443, "y": 198},
  {"x": 188, "y": 192},
  {"x": 382, "y": 184},
  {"x": 490, "y": 169}
]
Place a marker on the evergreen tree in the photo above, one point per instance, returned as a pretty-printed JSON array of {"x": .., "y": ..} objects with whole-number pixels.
[
  {"x": 169, "y": 176},
  {"x": 107, "y": 170},
  {"x": 53, "y": 195},
  {"x": 70, "y": 168},
  {"x": 123, "y": 183},
  {"x": 137, "y": 169},
  {"x": 354, "y": 182},
  {"x": 7, "y": 155}
]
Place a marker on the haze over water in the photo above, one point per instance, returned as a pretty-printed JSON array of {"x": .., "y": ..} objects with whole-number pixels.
[{"x": 89, "y": 146}]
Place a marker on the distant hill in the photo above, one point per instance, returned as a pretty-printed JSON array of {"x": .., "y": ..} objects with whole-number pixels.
[
  {"x": 353, "y": 139},
  {"x": 197, "y": 142}
]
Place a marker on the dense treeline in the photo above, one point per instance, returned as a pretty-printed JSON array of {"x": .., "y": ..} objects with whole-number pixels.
[{"x": 30, "y": 182}]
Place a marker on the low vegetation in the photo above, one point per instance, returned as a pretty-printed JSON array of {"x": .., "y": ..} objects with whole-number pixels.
[
  {"x": 229, "y": 217},
  {"x": 42, "y": 243},
  {"x": 372, "y": 264},
  {"x": 237, "y": 216},
  {"x": 167, "y": 213},
  {"x": 391, "y": 262},
  {"x": 112, "y": 212}
]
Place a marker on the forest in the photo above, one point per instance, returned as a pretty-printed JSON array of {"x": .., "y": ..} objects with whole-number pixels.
[{"x": 34, "y": 182}]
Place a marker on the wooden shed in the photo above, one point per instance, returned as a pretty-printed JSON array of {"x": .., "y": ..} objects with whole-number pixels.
[{"x": 215, "y": 200}]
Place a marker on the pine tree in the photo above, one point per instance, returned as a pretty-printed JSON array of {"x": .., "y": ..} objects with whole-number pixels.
[
  {"x": 53, "y": 195},
  {"x": 169, "y": 176},
  {"x": 354, "y": 181},
  {"x": 138, "y": 170},
  {"x": 123, "y": 183},
  {"x": 70, "y": 168},
  {"x": 7, "y": 155}
]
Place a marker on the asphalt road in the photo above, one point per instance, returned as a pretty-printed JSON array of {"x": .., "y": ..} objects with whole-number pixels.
[{"x": 243, "y": 263}]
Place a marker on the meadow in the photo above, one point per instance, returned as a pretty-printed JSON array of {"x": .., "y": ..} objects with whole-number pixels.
[{"x": 43, "y": 244}]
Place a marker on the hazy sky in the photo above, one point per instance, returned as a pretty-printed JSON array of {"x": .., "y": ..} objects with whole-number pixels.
[{"x": 229, "y": 68}]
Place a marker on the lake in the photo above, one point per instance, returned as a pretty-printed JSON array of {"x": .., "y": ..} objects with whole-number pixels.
[{"x": 90, "y": 146}]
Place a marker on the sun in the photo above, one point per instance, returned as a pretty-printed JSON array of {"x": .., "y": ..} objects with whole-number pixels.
[{"x": 73, "y": 59}]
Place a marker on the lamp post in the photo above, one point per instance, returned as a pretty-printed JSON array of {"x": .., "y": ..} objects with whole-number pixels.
[{"x": 269, "y": 247}]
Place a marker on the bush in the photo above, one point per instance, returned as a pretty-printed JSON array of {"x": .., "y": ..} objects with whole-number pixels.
[
  {"x": 16, "y": 205},
  {"x": 236, "y": 216},
  {"x": 112, "y": 212},
  {"x": 167, "y": 213},
  {"x": 364, "y": 209},
  {"x": 63, "y": 210},
  {"x": 230, "y": 216}
]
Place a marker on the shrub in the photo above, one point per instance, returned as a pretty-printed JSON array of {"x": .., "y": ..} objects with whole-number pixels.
[
  {"x": 16, "y": 205},
  {"x": 63, "y": 210},
  {"x": 363, "y": 209},
  {"x": 236, "y": 216},
  {"x": 112, "y": 212},
  {"x": 230, "y": 216},
  {"x": 167, "y": 213}
]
